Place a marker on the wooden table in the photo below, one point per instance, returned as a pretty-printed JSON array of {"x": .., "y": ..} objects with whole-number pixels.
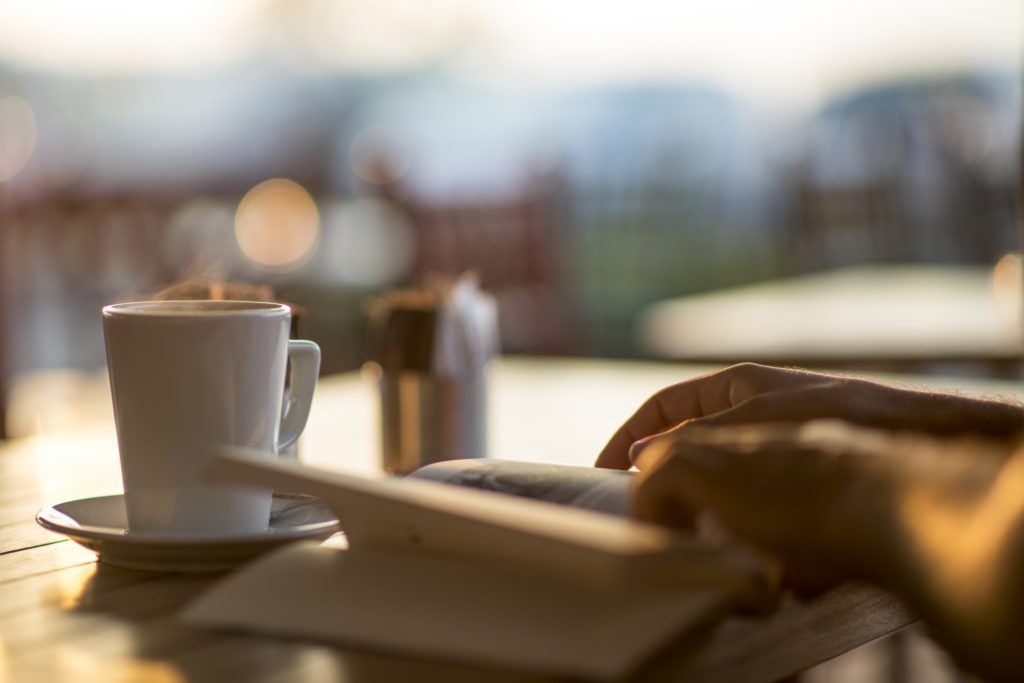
[
  {"x": 67, "y": 618},
  {"x": 894, "y": 317}
]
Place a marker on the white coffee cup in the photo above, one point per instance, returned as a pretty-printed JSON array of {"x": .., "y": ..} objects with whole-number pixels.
[{"x": 188, "y": 377}]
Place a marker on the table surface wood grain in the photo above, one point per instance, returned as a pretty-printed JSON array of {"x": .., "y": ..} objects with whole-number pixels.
[{"x": 65, "y": 617}]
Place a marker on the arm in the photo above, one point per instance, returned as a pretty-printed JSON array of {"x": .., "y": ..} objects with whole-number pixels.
[
  {"x": 751, "y": 394},
  {"x": 940, "y": 522}
]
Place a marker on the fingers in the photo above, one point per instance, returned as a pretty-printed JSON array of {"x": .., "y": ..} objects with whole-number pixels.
[
  {"x": 663, "y": 410},
  {"x": 827, "y": 496},
  {"x": 678, "y": 477},
  {"x": 660, "y": 496},
  {"x": 696, "y": 398},
  {"x": 786, "y": 397},
  {"x": 784, "y": 407},
  {"x": 751, "y": 411},
  {"x": 761, "y": 483}
]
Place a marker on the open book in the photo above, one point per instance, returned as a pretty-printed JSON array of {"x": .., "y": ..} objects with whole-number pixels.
[
  {"x": 461, "y": 573},
  {"x": 587, "y": 488}
]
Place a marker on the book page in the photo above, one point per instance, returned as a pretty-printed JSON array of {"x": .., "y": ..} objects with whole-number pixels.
[
  {"x": 448, "y": 608},
  {"x": 587, "y": 488}
]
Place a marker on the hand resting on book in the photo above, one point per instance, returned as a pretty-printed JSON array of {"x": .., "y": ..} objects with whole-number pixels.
[
  {"x": 751, "y": 394},
  {"x": 927, "y": 498}
]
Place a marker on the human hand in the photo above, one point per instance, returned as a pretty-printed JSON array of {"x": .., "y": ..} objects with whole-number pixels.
[
  {"x": 753, "y": 394},
  {"x": 782, "y": 488},
  {"x": 940, "y": 521}
]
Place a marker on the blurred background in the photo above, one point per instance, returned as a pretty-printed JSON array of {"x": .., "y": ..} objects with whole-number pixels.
[
  {"x": 602, "y": 166},
  {"x": 829, "y": 183}
]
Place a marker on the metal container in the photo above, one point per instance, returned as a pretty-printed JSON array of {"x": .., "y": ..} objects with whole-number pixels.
[
  {"x": 433, "y": 349},
  {"x": 427, "y": 419}
]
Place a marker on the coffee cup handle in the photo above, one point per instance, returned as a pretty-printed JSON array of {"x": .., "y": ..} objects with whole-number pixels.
[{"x": 304, "y": 358}]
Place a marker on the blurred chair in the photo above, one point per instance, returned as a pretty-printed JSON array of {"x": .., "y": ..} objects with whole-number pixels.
[
  {"x": 917, "y": 172},
  {"x": 851, "y": 199},
  {"x": 850, "y": 224},
  {"x": 516, "y": 245},
  {"x": 63, "y": 258}
]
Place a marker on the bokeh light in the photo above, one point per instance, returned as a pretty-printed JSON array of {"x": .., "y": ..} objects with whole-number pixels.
[
  {"x": 17, "y": 136},
  {"x": 277, "y": 225},
  {"x": 367, "y": 243},
  {"x": 1007, "y": 276}
]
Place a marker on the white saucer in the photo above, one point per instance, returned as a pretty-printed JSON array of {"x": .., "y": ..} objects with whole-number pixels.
[{"x": 100, "y": 524}]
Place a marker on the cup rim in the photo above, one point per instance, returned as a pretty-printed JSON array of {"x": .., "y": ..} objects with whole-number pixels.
[{"x": 192, "y": 308}]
